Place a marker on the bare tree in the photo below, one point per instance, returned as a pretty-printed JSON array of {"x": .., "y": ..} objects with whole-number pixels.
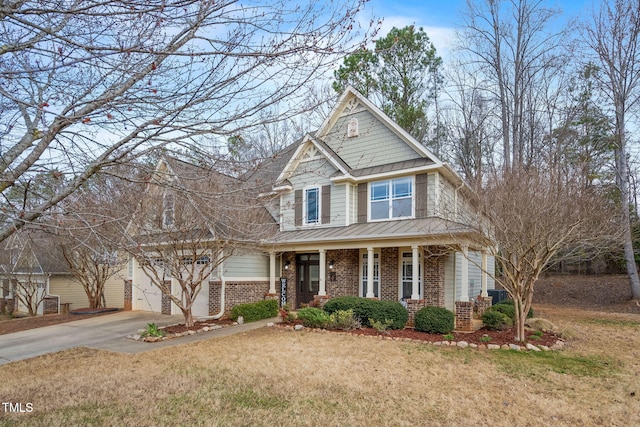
[
  {"x": 89, "y": 233},
  {"x": 509, "y": 43},
  {"x": 614, "y": 36},
  {"x": 538, "y": 216},
  {"x": 190, "y": 220},
  {"x": 88, "y": 83}
]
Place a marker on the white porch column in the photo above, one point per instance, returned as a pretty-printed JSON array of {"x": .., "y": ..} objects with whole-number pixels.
[
  {"x": 323, "y": 273},
  {"x": 483, "y": 281},
  {"x": 415, "y": 274},
  {"x": 272, "y": 273},
  {"x": 370, "y": 256},
  {"x": 464, "y": 275}
]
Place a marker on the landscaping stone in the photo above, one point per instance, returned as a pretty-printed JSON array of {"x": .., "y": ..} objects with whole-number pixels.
[
  {"x": 544, "y": 348},
  {"x": 298, "y": 327},
  {"x": 515, "y": 347},
  {"x": 532, "y": 347},
  {"x": 493, "y": 346},
  {"x": 463, "y": 344},
  {"x": 270, "y": 325},
  {"x": 473, "y": 345}
]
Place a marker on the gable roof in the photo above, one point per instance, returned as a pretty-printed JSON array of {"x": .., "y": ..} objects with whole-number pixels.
[
  {"x": 222, "y": 204},
  {"x": 33, "y": 252},
  {"x": 349, "y": 97}
]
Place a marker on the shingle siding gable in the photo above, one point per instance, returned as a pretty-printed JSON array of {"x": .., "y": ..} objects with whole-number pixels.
[{"x": 375, "y": 145}]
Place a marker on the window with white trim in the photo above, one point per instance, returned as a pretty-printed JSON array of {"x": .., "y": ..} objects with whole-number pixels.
[
  {"x": 406, "y": 275},
  {"x": 376, "y": 274},
  {"x": 392, "y": 198},
  {"x": 311, "y": 205}
]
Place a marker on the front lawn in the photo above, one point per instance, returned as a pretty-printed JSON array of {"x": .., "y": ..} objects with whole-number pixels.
[{"x": 274, "y": 376}]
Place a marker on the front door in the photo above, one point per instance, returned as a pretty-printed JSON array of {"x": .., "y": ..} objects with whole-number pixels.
[{"x": 308, "y": 277}]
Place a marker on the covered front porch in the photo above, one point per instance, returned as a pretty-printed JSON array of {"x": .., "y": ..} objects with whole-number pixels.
[{"x": 418, "y": 274}]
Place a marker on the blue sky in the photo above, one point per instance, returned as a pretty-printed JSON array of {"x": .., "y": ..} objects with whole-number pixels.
[{"x": 440, "y": 17}]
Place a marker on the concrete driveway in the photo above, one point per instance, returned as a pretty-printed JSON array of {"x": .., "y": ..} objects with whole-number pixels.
[{"x": 107, "y": 332}]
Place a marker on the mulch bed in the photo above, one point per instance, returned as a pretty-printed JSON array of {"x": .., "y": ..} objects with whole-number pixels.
[
  {"x": 497, "y": 337},
  {"x": 181, "y": 328}
]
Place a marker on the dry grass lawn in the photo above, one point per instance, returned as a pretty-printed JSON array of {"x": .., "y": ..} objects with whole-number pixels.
[{"x": 274, "y": 377}]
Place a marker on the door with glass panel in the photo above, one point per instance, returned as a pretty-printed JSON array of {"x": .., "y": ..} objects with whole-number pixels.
[{"x": 308, "y": 277}]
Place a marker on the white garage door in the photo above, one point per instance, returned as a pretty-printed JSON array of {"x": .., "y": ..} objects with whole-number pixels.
[{"x": 147, "y": 297}]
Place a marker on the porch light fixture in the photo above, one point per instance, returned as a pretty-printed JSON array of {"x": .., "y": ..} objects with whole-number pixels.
[
  {"x": 286, "y": 265},
  {"x": 331, "y": 264}
]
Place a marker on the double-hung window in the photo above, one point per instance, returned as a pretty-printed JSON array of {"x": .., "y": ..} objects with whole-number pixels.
[
  {"x": 392, "y": 198},
  {"x": 312, "y": 205}
]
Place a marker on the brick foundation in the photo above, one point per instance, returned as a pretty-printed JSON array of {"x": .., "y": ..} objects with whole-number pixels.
[
  {"x": 464, "y": 316},
  {"x": 482, "y": 304},
  {"x": 343, "y": 279},
  {"x": 128, "y": 295},
  {"x": 237, "y": 293},
  {"x": 413, "y": 305},
  {"x": 50, "y": 305},
  {"x": 320, "y": 301},
  {"x": 433, "y": 279}
]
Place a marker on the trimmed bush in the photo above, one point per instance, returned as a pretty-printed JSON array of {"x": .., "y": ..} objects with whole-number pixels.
[
  {"x": 255, "y": 310},
  {"x": 313, "y": 317},
  {"x": 344, "y": 320},
  {"x": 507, "y": 307},
  {"x": 434, "y": 320},
  {"x": 496, "y": 321},
  {"x": 365, "y": 309}
]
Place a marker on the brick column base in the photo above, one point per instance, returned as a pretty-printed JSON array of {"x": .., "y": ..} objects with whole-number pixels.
[
  {"x": 413, "y": 305},
  {"x": 272, "y": 296},
  {"x": 464, "y": 316},
  {"x": 320, "y": 300},
  {"x": 483, "y": 303}
]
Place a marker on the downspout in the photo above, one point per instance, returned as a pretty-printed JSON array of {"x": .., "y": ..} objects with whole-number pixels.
[
  {"x": 222, "y": 293},
  {"x": 455, "y": 199}
]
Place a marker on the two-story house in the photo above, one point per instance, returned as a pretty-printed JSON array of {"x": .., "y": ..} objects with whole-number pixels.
[
  {"x": 361, "y": 208},
  {"x": 364, "y": 209}
]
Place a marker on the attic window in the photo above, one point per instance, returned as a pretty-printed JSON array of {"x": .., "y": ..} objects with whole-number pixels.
[{"x": 352, "y": 128}]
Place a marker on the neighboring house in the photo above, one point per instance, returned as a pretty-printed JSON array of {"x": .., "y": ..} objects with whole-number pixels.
[{"x": 32, "y": 262}]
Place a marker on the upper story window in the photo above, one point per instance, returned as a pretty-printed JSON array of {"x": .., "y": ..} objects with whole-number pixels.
[
  {"x": 312, "y": 205},
  {"x": 392, "y": 198}
]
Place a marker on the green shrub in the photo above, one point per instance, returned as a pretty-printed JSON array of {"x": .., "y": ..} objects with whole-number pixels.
[
  {"x": 365, "y": 309},
  {"x": 313, "y": 317},
  {"x": 380, "y": 326},
  {"x": 344, "y": 320},
  {"x": 434, "y": 320},
  {"x": 496, "y": 321},
  {"x": 255, "y": 311},
  {"x": 507, "y": 307}
]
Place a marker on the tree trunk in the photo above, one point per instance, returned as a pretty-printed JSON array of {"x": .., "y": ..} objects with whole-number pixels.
[
  {"x": 188, "y": 317},
  {"x": 622, "y": 181}
]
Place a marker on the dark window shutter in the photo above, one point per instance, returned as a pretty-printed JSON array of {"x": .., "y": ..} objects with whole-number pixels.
[
  {"x": 298, "y": 208},
  {"x": 421, "y": 195},
  {"x": 326, "y": 204},
  {"x": 362, "y": 202}
]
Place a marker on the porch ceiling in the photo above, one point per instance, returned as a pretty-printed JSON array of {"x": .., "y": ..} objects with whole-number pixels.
[{"x": 433, "y": 230}]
